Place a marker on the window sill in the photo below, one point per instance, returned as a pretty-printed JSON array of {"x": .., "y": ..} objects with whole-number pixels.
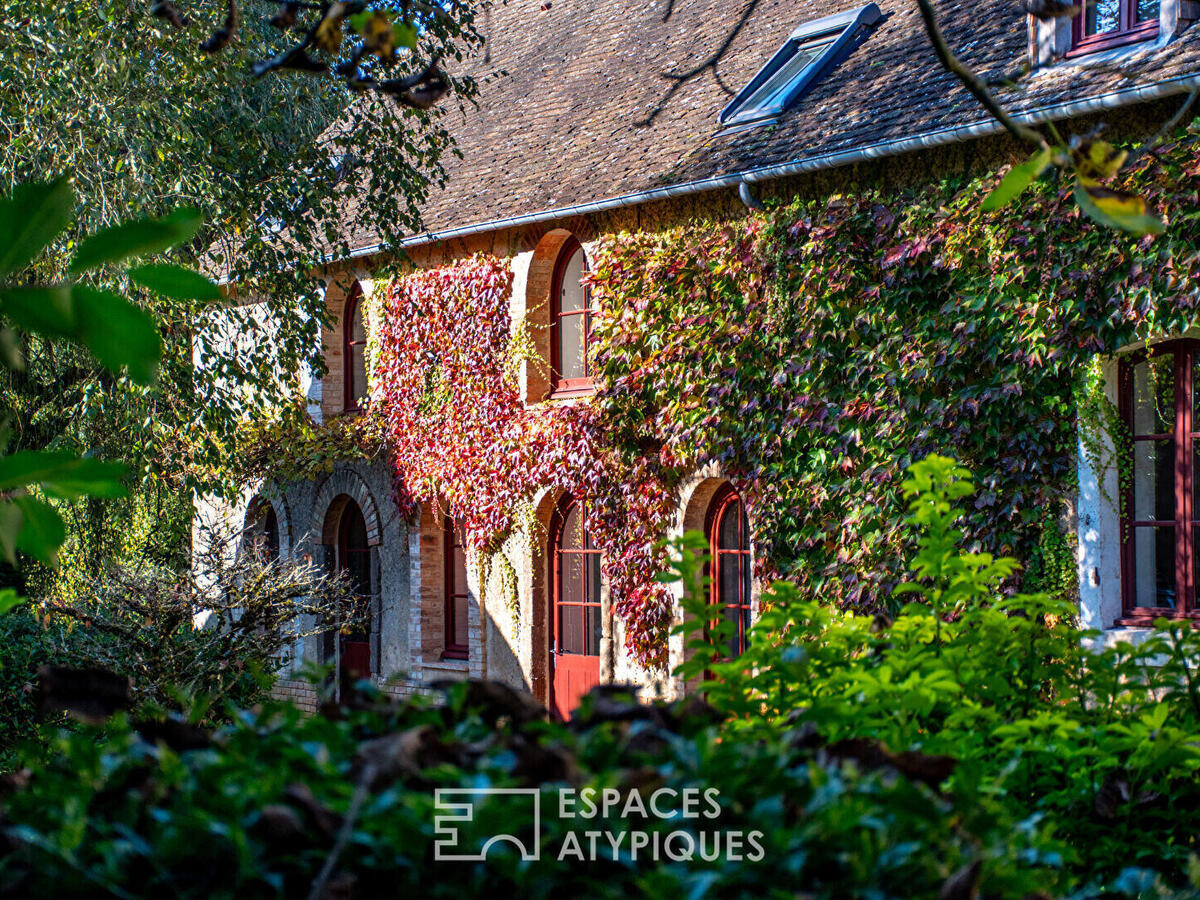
[
  {"x": 568, "y": 392},
  {"x": 447, "y": 665},
  {"x": 1146, "y": 619},
  {"x": 1092, "y": 47}
]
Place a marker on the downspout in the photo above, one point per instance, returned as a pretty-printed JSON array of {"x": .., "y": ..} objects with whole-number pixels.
[{"x": 747, "y": 196}]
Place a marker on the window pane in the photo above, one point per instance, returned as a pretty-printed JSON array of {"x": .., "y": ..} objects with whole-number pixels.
[
  {"x": 733, "y": 532},
  {"x": 570, "y": 347},
  {"x": 730, "y": 578},
  {"x": 1153, "y": 481},
  {"x": 1154, "y": 395},
  {"x": 460, "y": 571},
  {"x": 593, "y": 577},
  {"x": 572, "y": 533},
  {"x": 770, "y": 94},
  {"x": 358, "y": 331},
  {"x": 1147, "y": 10},
  {"x": 1102, "y": 16},
  {"x": 593, "y": 630},
  {"x": 570, "y": 629},
  {"x": 734, "y": 646},
  {"x": 358, "y": 369},
  {"x": 572, "y": 294},
  {"x": 460, "y": 620},
  {"x": 1154, "y": 567},
  {"x": 571, "y": 578}
]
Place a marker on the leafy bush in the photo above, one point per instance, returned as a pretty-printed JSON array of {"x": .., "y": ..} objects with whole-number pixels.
[
  {"x": 1099, "y": 742},
  {"x": 974, "y": 746},
  {"x": 26, "y": 644},
  {"x": 261, "y": 806}
]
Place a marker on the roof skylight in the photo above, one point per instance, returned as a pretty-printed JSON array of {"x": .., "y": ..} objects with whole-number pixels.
[{"x": 809, "y": 53}]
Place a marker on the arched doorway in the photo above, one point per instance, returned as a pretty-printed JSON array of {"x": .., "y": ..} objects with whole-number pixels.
[
  {"x": 729, "y": 547},
  {"x": 350, "y": 649},
  {"x": 575, "y": 616}
]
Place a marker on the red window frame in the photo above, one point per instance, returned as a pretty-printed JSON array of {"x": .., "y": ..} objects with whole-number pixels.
[
  {"x": 568, "y": 387},
  {"x": 728, "y": 501},
  {"x": 450, "y": 543},
  {"x": 350, "y": 395},
  {"x": 590, "y": 553},
  {"x": 1128, "y": 31},
  {"x": 1183, "y": 437}
]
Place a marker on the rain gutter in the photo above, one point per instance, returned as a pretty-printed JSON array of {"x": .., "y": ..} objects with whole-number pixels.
[{"x": 880, "y": 150}]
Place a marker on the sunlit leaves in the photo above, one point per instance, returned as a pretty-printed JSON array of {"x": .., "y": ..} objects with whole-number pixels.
[
  {"x": 1017, "y": 180},
  {"x": 1096, "y": 161},
  {"x": 130, "y": 239},
  {"x": 1117, "y": 209},
  {"x": 62, "y": 474},
  {"x": 175, "y": 282},
  {"x": 31, "y": 218},
  {"x": 119, "y": 334}
]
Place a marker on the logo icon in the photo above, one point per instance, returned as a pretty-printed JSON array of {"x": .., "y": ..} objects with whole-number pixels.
[{"x": 456, "y": 806}]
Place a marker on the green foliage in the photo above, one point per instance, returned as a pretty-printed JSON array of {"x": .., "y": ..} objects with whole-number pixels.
[
  {"x": 117, "y": 333},
  {"x": 115, "y": 95},
  {"x": 814, "y": 351},
  {"x": 1096, "y": 744},
  {"x": 27, "y": 642},
  {"x": 288, "y": 445},
  {"x": 257, "y": 809}
]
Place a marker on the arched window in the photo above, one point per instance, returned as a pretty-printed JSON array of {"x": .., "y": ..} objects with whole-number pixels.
[
  {"x": 353, "y": 649},
  {"x": 457, "y": 597},
  {"x": 729, "y": 545},
  {"x": 575, "y": 608},
  {"x": 570, "y": 322},
  {"x": 354, "y": 356}
]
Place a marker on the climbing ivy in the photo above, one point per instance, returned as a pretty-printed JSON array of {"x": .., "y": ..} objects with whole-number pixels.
[
  {"x": 816, "y": 350},
  {"x": 810, "y": 353}
]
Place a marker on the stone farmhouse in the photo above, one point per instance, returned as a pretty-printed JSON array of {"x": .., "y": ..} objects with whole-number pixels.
[{"x": 559, "y": 154}]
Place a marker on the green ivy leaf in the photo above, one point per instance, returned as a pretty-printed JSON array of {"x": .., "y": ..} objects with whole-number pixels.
[
  {"x": 42, "y": 530},
  {"x": 46, "y": 310},
  {"x": 404, "y": 35},
  {"x": 175, "y": 282},
  {"x": 139, "y": 238},
  {"x": 63, "y": 474},
  {"x": 10, "y": 527},
  {"x": 117, "y": 332},
  {"x": 9, "y": 599},
  {"x": 1122, "y": 216},
  {"x": 30, "y": 219},
  {"x": 1019, "y": 178}
]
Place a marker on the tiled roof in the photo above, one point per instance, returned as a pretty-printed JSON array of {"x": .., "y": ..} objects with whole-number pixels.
[{"x": 562, "y": 128}]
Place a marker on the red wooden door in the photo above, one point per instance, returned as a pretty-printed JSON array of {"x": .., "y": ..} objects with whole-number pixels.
[{"x": 574, "y": 609}]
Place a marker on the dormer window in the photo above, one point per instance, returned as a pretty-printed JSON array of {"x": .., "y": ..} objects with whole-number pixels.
[
  {"x": 1102, "y": 24},
  {"x": 809, "y": 53}
]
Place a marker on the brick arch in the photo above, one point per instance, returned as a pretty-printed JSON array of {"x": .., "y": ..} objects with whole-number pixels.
[
  {"x": 696, "y": 495},
  {"x": 270, "y": 495},
  {"x": 339, "y": 487},
  {"x": 582, "y": 227}
]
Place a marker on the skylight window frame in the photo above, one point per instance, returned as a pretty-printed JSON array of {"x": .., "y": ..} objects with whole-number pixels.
[{"x": 847, "y": 30}]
